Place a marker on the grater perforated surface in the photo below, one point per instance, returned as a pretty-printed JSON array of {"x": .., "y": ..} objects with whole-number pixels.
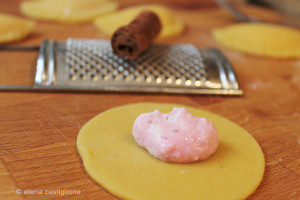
[
  {"x": 90, "y": 65},
  {"x": 163, "y": 65}
]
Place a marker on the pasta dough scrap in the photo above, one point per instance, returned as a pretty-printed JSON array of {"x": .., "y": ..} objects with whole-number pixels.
[
  {"x": 171, "y": 24},
  {"x": 67, "y": 11},
  {"x": 261, "y": 39},
  {"x": 114, "y": 160},
  {"x": 14, "y": 28}
]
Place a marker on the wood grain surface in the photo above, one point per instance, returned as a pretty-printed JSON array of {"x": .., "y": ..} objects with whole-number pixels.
[{"x": 38, "y": 130}]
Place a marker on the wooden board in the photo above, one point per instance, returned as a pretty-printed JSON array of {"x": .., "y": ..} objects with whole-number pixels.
[{"x": 38, "y": 130}]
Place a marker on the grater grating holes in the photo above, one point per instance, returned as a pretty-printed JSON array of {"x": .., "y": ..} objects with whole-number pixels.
[{"x": 179, "y": 64}]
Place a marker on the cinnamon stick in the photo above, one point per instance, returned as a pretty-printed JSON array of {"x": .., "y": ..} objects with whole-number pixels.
[{"x": 131, "y": 40}]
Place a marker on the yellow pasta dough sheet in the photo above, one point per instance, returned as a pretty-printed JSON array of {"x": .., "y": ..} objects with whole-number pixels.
[
  {"x": 114, "y": 160},
  {"x": 14, "y": 28},
  {"x": 171, "y": 24},
  {"x": 67, "y": 11},
  {"x": 261, "y": 39}
]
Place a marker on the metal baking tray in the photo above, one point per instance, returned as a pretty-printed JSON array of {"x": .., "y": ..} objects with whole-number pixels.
[{"x": 90, "y": 65}]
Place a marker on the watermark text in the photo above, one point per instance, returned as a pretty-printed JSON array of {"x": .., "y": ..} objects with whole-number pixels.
[{"x": 61, "y": 192}]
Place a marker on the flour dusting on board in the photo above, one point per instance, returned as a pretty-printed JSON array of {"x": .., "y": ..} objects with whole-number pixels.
[
  {"x": 258, "y": 84},
  {"x": 274, "y": 162}
]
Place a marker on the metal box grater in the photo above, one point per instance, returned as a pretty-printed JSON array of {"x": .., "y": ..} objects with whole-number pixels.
[{"x": 90, "y": 65}]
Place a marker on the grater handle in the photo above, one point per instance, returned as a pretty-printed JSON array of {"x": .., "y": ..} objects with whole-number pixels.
[
  {"x": 16, "y": 88},
  {"x": 19, "y": 48},
  {"x": 22, "y": 48}
]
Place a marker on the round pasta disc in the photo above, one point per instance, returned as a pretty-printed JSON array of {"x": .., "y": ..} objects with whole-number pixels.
[
  {"x": 261, "y": 39},
  {"x": 67, "y": 11},
  {"x": 113, "y": 159},
  {"x": 171, "y": 24},
  {"x": 14, "y": 28}
]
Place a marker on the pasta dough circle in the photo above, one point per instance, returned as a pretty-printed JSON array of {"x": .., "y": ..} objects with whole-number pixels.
[
  {"x": 13, "y": 28},
  {"x": 261, "y": 39},
  {"x": 67, "y": 11},
  {"x": 113, "y": 159}
]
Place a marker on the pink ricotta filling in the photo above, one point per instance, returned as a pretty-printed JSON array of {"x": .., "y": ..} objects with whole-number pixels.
[{"x": 176, "y": 137}]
